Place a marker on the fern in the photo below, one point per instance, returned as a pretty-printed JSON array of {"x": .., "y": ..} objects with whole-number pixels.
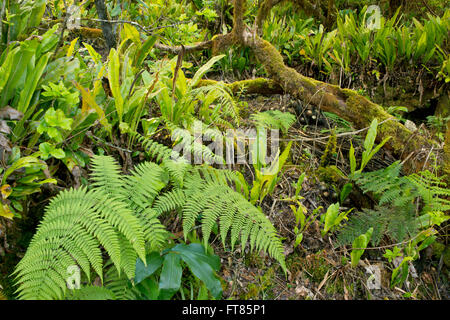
[
  {"x": 120, "y": 216},
  {"x": 226, "y": 106},
  {"x": 398, "y": 197},
  {"x": 92, "y": 293},
  {"x": 432, "y": 190},
  {"x": 274, "y": 119},
  {"x": 214, "y": 201},
  {"x": 78, "y": 223},
  {"x": 397, "y": 224}
]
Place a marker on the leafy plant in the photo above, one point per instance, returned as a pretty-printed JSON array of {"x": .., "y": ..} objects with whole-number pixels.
[
  {"x": 359, "y": 245},
  {"x": 120, "y": 215},
  {"x": 332, "y": 218},
  {"x": 397, "y": 216},
  {"x": 203, "y": 265},
  {"x": 305, "y": 222},
  {"x": 369, "y": 150},
  {"x": 266, "y": 176},
  {"x": 114, "y": 215},
  {"x": 22, "y": 176}
]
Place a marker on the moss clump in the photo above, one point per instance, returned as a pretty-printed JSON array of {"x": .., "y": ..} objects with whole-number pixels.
[
  {"x": 261, "y": 288},
  {"x": 91, "y": 33},
  {"x": 330, "y": 150}
]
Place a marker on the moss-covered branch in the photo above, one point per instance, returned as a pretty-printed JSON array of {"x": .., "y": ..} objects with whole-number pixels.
[
  {"x": 344, "y": 102},
  {"x": 254, "y": 86},
  {"x": 263, "y": 13}
]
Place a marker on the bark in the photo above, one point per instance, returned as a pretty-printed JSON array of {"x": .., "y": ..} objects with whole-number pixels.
[
  {"x": 107, "y": 27},
  {"x": 254, "y": 86}
]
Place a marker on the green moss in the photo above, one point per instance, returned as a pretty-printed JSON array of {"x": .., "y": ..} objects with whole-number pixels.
[
  {"x": 330, "y": 150},
  {"x": 262, "y": 287},
  {"x": 438, "y": 249},
  {"x": 446, "y": 256}
]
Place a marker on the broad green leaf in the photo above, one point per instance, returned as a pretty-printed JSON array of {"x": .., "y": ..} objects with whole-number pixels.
[
  {"x": 145, "y": 50},
  {"x": 113, "y": 75},
  {"x": 298, "y": 185},
  {"x": 154, "y": 262},
  {"x": 359, "y": 245},
  {"x": 21, "y": 163},
  {"x": 371, "y": 135},
  {"x": 400, "y": 273},
  {"x": 330, "y": 217},
  {"x": 19, "y": 71},
  {"x": 94, "y": 55},
  {"x": 170, "y": 279},
  {"x": 202, "y": 265},
  {"x": 5, "y": 211},
  {"x": 378, "y": 147},
  {"x": 204, "y": 69},
  {"x": 88, "y": 100},
  {"x": 131, "y": 33},
  {"x": 298, "y": 239},
  {"x": 149, "y": 289},
  {"x": 352, "y": 158},
  {"x": 71, "y": 47},
  {"x": 36, "y": 13},
  {"x": 58, "y": 153},
  {"x": 346, "y": 190},
  {"x": 31, "y": 83},
  {"x": 6, "y": 67}
]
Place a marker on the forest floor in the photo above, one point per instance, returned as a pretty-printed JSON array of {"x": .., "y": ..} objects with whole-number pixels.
[{"x": 317, "y": 268}]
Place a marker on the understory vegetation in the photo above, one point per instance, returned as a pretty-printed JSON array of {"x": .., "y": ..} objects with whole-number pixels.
[{"x": 263, "y": 149}]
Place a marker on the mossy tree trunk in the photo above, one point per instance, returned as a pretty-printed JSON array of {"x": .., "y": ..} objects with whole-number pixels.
[
  {"x": 107, "y": 28},
  {"x": 344, "y": 102}
]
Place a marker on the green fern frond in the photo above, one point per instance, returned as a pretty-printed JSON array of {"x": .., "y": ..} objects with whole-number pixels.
[
  {"x": 222, "y": 96},
  {"x": 106, "y": 175},
  {"x": 169, "y": 201},
  {"x": 176, "y": 169},
  {"x": 397, "y": 224},
  {"x": 433, "y": 191},
  {"x": 70, "y": 217},
  {"x": 213, "y": 201},
  {"x": 274, "y": 119},
  {"x": 155, "y": 149},
  {"x": 91, "y": 293},
  {"x": 119, "y": 284},
  {"x": 78, "y": 223}
]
